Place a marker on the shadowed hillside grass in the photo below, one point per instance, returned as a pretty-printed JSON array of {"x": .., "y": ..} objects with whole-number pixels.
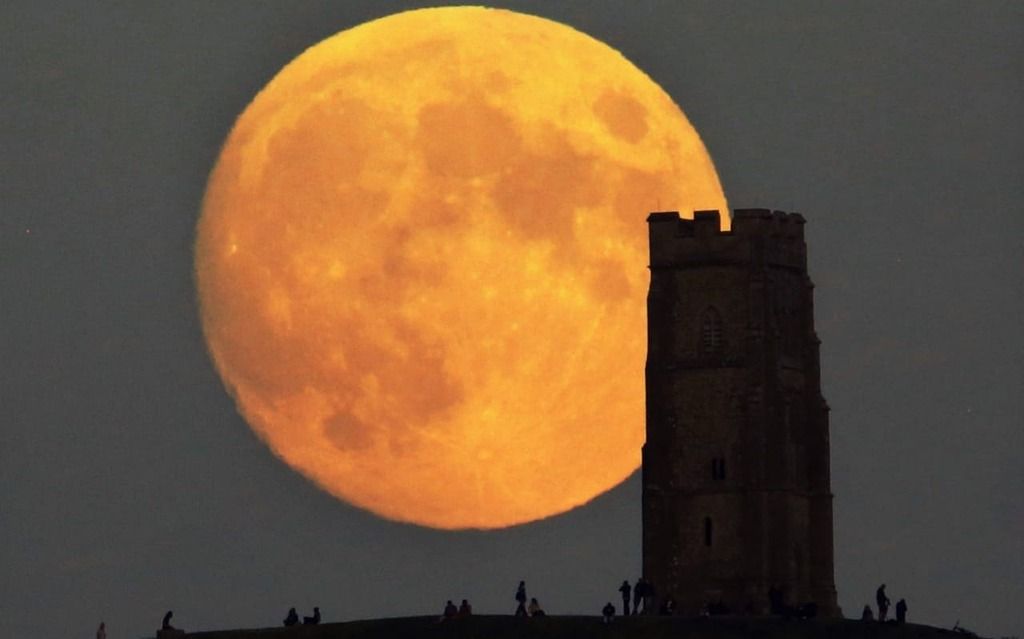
[{"x": 506, "y": 627}]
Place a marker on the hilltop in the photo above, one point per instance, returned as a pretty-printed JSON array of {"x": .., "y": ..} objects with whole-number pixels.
[{"x": 558, "y": 627}]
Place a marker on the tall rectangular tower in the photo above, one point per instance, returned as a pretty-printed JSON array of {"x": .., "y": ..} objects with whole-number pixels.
[{"x": 736, "y": 491}]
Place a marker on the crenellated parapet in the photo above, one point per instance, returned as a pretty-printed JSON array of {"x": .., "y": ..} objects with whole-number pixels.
[{"x": 758, "y": 236}]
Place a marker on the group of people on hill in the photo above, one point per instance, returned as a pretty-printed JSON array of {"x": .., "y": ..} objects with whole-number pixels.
[
  {"x": 524, "y": 610},
  {"x": 167, "y": 629},
  {"x": 882, "y": 601},
  {"x": 641, "y": 595},
  {"x": 636, "y": 600},
  {"x": 293, "y": 618},
  {"x": 451, "y": 612}
]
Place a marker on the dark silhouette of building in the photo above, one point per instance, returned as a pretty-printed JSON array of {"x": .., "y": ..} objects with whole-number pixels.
[{"x": 736, "y": 492}]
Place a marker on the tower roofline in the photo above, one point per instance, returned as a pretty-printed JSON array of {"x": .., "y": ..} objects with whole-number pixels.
[
  {"x": 675, "y": 240},
  {"x": 744, "y": 221}
]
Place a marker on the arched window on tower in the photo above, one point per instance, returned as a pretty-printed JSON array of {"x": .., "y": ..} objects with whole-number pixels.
[{"x": 710, "y": 331}]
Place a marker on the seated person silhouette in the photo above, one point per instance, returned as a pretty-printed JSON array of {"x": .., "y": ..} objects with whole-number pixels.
[
  {"x": 450, "y": 611},
  {"x": 292, "y": 618},
  {"x": 314, "y": 620},
  {"x": 534, "y": 608},
  {"x": 608, "y": 612}
]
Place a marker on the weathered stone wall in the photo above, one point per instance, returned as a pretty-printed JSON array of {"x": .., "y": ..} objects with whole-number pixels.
[{"x": 735, "y": 478}]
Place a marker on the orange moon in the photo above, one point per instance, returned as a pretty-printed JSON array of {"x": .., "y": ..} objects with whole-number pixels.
[{"x": 421, "y": 263}]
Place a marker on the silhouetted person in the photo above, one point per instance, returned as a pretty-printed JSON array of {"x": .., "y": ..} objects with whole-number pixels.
[
  {"x": 450, "y": 611},
  {"x": 521, "y": 599},
  {"x": 638, "y": 595},
  {"x": 626, "y": 590},
  {"x": 314, "y": 620},
  {"x": 867, "y": 614},
  {"x": 101, "y": 632},
  {"x": 901, "y": 611},
  {"x": 292, "y": 618},
  {"x": 883, "y": 603},
  {"x": 166, "y": 625},
  {"x": 608, "y": 612},
  {"x": 668, "y": 607},
  {"x": 465, "y": 610},
  {"x": 534, "y": 608}
]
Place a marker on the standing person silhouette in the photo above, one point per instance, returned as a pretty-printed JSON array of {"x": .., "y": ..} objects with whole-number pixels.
[
  {"x": 883, "y": 603},
  {"x": 521, "y": 599},
  {"x": 901, "y": 611},
  {"x": 626, "y": 590},
  {"x": 101, "y": 632}
]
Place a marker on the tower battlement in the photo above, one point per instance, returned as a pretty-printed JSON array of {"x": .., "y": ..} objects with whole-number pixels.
[{"x": 761, "y": 236}]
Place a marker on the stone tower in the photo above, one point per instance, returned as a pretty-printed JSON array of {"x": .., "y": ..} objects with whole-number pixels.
[{"x": 736, "y": 494}]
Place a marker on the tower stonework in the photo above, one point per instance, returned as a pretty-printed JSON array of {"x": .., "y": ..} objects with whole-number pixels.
[{"x": 736, "y": 490}]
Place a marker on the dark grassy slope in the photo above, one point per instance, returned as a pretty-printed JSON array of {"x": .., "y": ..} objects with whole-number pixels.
[{"x": 505, "y": 627}]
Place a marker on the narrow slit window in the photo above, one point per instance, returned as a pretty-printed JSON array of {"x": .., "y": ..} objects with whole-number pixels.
[
  {"x": 718, "y": 468},
  {"x": 707, "y": 531}
]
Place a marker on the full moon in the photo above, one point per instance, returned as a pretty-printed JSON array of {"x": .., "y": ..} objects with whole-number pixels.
[{"x": 421, "y": 263}]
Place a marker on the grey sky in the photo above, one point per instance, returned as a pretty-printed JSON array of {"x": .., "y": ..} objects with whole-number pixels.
[{"x": 129, "y": 485}]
